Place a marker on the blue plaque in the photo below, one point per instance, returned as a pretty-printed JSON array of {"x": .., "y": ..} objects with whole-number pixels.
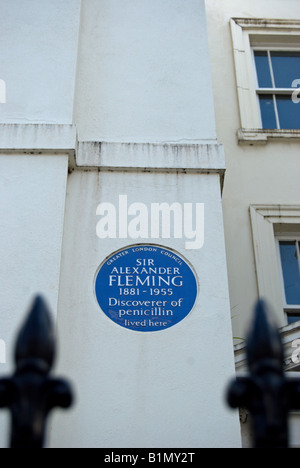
[{"x": 146, "y": 288}]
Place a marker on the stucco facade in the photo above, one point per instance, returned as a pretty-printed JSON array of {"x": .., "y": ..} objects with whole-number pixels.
[
  {"x": 135, "y": 118},
  {"x": 261, "y": 190},
  {"x": 126, "y": 105}
]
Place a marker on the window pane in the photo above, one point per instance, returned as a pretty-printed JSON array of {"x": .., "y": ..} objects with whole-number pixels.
[
  {"x": 291, "y": 318},
  {"x": 286, "y": 68},
  {"x": 288, "y": 112},
  {"x": 262, "y": 69},
  {"x": 267, "y": 111},
  {"x": 290, "y": 270}
]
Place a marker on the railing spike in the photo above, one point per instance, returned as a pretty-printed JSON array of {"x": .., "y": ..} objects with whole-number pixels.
[
  {"x": 264, "y": 343},
  {"x": 36, "y": 340},
  {"x": 30, "y": 393},
  {"x": 265, "y": 392}
]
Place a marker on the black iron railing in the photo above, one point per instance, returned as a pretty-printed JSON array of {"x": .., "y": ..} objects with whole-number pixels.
[
  {"x": 266, "y": 392},
  {"x": 30, "y": 393}
]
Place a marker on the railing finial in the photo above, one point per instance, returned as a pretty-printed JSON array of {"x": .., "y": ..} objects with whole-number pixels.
[
  {"x": 265, "y": 392},
  {"x": 264, "y": 345},
  {"x": 30, "y": 394}
]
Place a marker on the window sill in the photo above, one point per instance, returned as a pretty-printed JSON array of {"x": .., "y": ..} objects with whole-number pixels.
[{"x": 256, "y": 136}]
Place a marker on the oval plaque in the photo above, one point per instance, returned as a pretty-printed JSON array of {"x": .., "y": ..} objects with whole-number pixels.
[{"x": 146, "y": 288}]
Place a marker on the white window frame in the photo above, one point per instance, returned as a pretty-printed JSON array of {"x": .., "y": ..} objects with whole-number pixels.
[
  {"x": 292, "y": 308},
  {"x": 273, "y": 91},
  {"x": 249, "y": 33},
  {"x": 263, "y": 221}
]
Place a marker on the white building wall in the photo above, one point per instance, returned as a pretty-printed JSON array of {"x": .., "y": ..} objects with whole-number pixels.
[
  {"x": 31, "y": 238},
  {"x": 256, "y": 174},
  {"x": 143, "y": 87},
  {"x": 156, "y": 389},
  {"x": 38, "y": 52},
  {"x": 39, "y": 42},
  {"x": 143, "y": 72}
]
